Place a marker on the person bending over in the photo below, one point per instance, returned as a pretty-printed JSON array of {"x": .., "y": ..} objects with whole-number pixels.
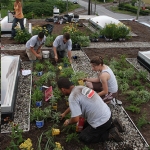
[
  {"x": 87, "y": 103},
  {"x": 33, "y": 46},
  {"x": 62, "y": 46}
]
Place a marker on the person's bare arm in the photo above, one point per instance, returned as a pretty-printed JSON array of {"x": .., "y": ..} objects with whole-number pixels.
[
  {"x": 35, "y": 53},
  {"x": 92, "y": 79},
  {"x": 69, "y": 56},
  {"x": 55, "y": 53},
  {"x": 39, "y": 49},
  {"x": 65, "y": 112},
  {"x": 104, "y": 80},
  {"x": 71, "y": 120}
]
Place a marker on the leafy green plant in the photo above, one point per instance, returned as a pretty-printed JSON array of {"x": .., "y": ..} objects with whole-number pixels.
[
  {"x": 53, "y": 100},
  {"x": 39, "y": 67},
  {"x": 83, "y": 41},
  {"x": 57, "y": 93},
  {"x": 16, "y": 137},
  {"x": 142, "y": 121},
  {"x": 66, "y": 72},
  {"x": 22, "y": 36},
  {"x": 50, "y": 144},
  {"x": 124, "y": 87},
  {"x": 56, "y": 117},
  {"x": 49, "y": 40},
  {"x": 37, "y": 95},
  {"x": 69, "y": 128},
  {"x": 86, "y": 148},
  {"x": 37, "y": 114},
  {"x": 142, "y": 75},
  {"x": 37, "y": 29},
  {"x": 136, "y": 83},
  {"x": 122, "y": 30},
  {"x": 77, "y": 76},
  {"x": 133, "y": 108},
  {"x": 71, "y": 137}
]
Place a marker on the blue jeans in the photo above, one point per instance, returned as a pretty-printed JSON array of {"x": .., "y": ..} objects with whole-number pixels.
[{"x": 14, "y": 24}]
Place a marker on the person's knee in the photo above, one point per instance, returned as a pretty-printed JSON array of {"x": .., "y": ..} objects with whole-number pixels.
[
  {"x": 85, "y": 138},
  {"x": 89, "y": 84}
]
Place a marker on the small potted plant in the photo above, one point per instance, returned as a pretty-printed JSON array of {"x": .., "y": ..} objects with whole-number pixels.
[
  {"x": 65, "y": 61},
  {"x": 39, "y": 68},
  {"x": 53, "y": 102},
  {"x": 38, "y": 115},
  {"x": 37, "y": 97}
]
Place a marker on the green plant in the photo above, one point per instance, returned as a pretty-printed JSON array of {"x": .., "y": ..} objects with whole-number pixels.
[
  {"x": 71, "y": 137},
  {"x": 53, "y": 100},
  {"x": 136, "y": 83},
  {"x": 56, "y": 117},
  {"x": 50, "y": 144},
  {"x": 36, "y": 96},
  {"x": 142, "y": 75},
  {"x": 37, "y": 29},
  {"x": 77, "y": 76},
  {"x": 69, "y": 128},
  {"x": 37, "y": 114},
  {"x": 57, "y": 93},
  {"x": 133, "y": 108},
  {"x": 124, "y": 87},
  {"x": 122, "y": 31},
  {"x": 86, "y": 148},
  {"x": 53, "y": 84},
  {"x": 39, "y": 67},
  {"x": 66, "y": 72},
  {"x": 22, "y": 36},
  {"x": 142, "y": 121},
  {"x": 16, "y": 137},
  {"x": 49, "y": 40},
  {"x": 83, "y": 41}
]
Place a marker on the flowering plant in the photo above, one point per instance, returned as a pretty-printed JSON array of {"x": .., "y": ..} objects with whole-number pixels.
[
  {"x": 37, "y": 29},
  {"x": 26, "y": 145},
  {"x": 73, "y": 31},
  {"x": 22, "y": 36}
]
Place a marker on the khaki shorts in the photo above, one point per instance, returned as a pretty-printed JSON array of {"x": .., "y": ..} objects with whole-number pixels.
[{"x": 31, "y": 56}]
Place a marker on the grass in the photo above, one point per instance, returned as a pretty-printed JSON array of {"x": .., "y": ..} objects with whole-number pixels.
[{"x": 116, "y": 10}]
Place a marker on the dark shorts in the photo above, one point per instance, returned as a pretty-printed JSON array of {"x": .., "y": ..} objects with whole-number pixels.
[{"x": 97, "y": 86}]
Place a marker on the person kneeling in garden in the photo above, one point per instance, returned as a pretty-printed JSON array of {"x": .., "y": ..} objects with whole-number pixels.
[
  {"x": 33, "y": 46},
  {"x": 105, "y": 84},
  {"x": 62, "y": 46},
  {"x": 86, "y": 103}
]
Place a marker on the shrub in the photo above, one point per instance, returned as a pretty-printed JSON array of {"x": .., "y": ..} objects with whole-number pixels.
[
  {"x": 37, "y": 29},
  {"x": 73, "y": 31},
  {"x": 113, "y": 31},
  {"x": 22, "y": 36},
  {"x": 49, "y": 40}
]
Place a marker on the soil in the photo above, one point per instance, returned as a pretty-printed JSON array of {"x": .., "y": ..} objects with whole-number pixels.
[
  {"x": 143, "y": 33},
  {"x": 140, "y": 30}
]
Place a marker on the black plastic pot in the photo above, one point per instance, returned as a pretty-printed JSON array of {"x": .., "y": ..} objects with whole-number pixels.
[{"x": 76, "y": 46}]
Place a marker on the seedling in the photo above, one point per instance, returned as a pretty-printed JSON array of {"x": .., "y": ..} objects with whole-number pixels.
[
  {"x": 65, "y": 61},
  {"x": 71, "y": 137},
  {"x": 66, "y": 72},
  {"x": 56, "y": 117},
  {"x": 142, "y": 121},
  {"x": 37, "y": 114},
  {"x": 36, "y": 96},
  {"x": 133, "y": 109},
  {"x": 57, "y": 93},
  {"x": 39, "y": 67}
]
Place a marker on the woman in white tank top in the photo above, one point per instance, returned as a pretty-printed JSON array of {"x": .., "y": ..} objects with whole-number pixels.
[{"x": 105, "y": 84}]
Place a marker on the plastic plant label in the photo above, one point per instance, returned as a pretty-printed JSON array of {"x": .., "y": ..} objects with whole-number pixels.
[
  {"x": 55, "y": 131},
  {"x": 80, "y": 82},
  {"x": 60, "y": 67},
  {"x": 48, "y": 93}
]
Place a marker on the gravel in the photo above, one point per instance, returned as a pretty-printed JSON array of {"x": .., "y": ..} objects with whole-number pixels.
[
  {"x": 22, "y": 107},
  {"x": 133, "y": 139}
]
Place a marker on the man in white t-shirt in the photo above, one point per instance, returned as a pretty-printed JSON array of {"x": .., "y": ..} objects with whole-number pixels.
[
  {"x": 33, "y": 46},
  {"x": 86, "y": 103},
  {"x": 62, "y": 46}
]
